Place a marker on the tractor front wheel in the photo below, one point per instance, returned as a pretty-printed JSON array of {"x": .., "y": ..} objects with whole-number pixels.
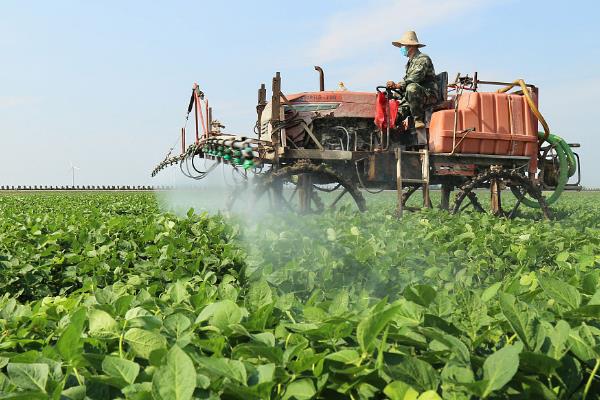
[{"x": 306, "y": 188}]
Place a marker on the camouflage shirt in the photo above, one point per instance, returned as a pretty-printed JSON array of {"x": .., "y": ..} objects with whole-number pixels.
[{"x": 419, "y": 69}]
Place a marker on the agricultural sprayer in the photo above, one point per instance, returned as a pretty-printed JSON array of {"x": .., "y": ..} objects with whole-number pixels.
[{"x": 309, "y": 150}]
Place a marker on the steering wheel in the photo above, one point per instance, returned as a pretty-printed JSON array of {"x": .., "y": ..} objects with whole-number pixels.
[{"x": 388, "y": 90}]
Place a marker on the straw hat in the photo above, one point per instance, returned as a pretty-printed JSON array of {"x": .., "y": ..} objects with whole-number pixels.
[{"x": 408, "y": 39}]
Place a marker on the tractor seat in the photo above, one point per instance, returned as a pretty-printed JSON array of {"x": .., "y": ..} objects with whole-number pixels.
[{"x": 442, "y": 83}]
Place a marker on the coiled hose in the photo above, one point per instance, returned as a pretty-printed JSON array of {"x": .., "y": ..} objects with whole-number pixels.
[
  {"x": 566, "y": 158},
  {"x": 567, "y": 166}
]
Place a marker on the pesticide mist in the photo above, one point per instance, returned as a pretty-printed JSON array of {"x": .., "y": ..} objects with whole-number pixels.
[{"x": 337, "y": 250}]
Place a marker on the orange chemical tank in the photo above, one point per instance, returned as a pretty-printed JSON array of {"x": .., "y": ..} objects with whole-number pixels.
[{"x": 503, "y": 124}]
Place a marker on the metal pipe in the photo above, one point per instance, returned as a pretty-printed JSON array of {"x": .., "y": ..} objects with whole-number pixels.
[
  {"x": 199, "y": 97},
  {"x": 208, "y": 121},
  {"x": 193, "y": 104},
  {"x": 388, "y": 96},
  {"x": 502, "y": 83},
  {"x": 236, "y": 143},
  {"x": 260, "y": 107},
  {"x": 182, "y": 140},
  {"x": 321, "y": 78},
  {"x": 275, "y": 114}
]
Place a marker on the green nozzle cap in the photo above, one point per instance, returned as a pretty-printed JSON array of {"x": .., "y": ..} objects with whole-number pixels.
[
  {"x": 227, "y": 157},
  {"x": 248, "y": 164},
  {"x": 237, "y": 161}
]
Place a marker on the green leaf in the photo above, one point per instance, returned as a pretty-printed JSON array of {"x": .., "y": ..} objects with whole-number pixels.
[
  {"x": 370, "y": 327},
  {"x": 178, "y": 292},
  {"x": 331, "y": 236},
  {"x": 409, "y": 314},
  {"x": 224, "y": 367},
  {"x": 595, "y": 300},
  {"x": 144, "y": 342},
  {"x": 583, "y": 343},
  {"x": 202, "y": 381},
  {"x": 69, "y": 344},
  {"x": 121, "y": 368},
  {"x": 423, "y": 295},
  {"x": 451, "y": 343},
  {"x": 537, "y": 363},
  {"x": 222, "y": 314},
  {"x": 490, "y": 292},
  {"x": 176, "y": 380},
  {"x": 347, "y": 356},
  {"x": 259, "y": 295},
  {"x": 457, "y": 373},
  {"x": 75, "y": 393},
  {"x": 265, "y": 337},
  {"x": 29, "y": 376},
  {"x": 499, "y": 368},
  {"x": 560, "y": 291},
  {"x": 102, "y": 324},
  {"x": 563, "y": 256},
  {"x": 429, "y": 395},
  {"x": 339, "y": 304},
  {"x": 177, "y": 324},
  {"x": 521, "y": 319},
  {"x": 257, "y": 350},
  {"x": 558, "y": 337},
  {"x": 138, "y": 391},
  {"x": 415, "y": 372},
  {"x": 398, "y": 390},
  {"x": 265, "y": 373},
  {"x": 301, "y": 389}
]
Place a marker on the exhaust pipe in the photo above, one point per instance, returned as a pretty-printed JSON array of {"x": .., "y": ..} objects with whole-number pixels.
[{"x": 321, "y": 78}]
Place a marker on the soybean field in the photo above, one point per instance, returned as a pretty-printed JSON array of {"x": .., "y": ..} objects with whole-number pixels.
[{"x": 115, "y": 296}]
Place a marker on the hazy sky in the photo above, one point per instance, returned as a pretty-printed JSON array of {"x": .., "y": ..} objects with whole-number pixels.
[{"x": 105, "y": 84}]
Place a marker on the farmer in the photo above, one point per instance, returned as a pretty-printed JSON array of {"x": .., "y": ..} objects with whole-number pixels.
[{"x": 419, "y": 86}]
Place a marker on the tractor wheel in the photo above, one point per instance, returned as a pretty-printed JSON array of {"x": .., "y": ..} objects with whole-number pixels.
[
  {"x": 296, "y": 188},
  {"x": 496, "y": 180}
]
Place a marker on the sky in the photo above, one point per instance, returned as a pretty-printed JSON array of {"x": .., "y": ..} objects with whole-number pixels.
[{"x": 104, "y": 85}]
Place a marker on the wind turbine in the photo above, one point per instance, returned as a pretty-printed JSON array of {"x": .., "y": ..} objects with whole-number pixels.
[{"x": 73, "y": 168}]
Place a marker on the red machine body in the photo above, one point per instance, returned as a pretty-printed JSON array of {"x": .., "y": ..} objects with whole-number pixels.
[
  {"x": 342, "y": 103},
  {"x": 486, "y": 122}
]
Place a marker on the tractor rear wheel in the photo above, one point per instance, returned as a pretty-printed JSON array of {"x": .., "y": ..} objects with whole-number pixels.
[{"x": 496, "y": 180}]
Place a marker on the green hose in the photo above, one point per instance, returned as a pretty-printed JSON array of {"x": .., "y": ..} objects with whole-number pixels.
[
  {"x": 566, "y": 158},
  {"x": 567, "y": 168}
]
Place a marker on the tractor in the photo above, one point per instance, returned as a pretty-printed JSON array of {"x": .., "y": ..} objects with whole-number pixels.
[{"x": 310, "y": 150}]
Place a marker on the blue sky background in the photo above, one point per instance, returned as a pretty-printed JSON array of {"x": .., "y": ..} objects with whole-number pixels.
[{"x": 105, "y": 84}]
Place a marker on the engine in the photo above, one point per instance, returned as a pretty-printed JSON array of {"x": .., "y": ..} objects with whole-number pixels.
[{"x": 339, "y": 120}]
